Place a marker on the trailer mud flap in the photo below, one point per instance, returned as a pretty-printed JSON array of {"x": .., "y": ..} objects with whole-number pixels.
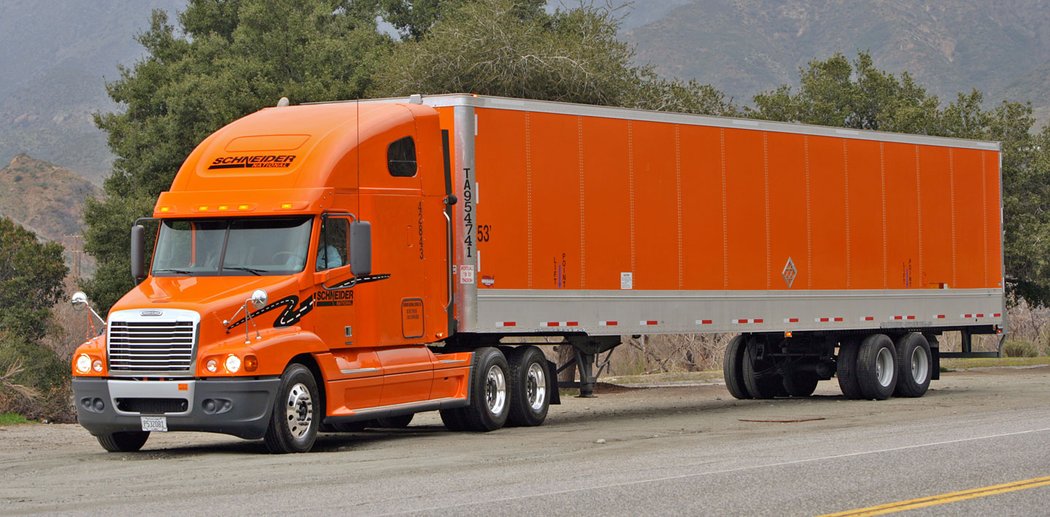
[{"x": 552, "y": 382}]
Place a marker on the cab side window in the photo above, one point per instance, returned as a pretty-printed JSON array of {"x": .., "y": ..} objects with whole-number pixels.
[
  {"x": 401, "y": 158},
  {"x": 333, "y": 248}
]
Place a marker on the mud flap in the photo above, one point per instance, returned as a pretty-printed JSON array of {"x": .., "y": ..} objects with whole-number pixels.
[{"x": 552, "y": 382}]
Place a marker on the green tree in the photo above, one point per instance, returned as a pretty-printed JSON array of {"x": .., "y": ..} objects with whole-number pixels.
[
  {"x": 31, "y": 282},
  {"x": 834, "y": 92},
  {"x": 228, "y": 58},
  {"x": 517, "y": 49}
]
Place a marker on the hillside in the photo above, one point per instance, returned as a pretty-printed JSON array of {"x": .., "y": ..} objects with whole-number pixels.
[
  {"x": 747, "y": 46},
  {"x": 43, "y": 197},
  {"x": 57, "y": 58}
]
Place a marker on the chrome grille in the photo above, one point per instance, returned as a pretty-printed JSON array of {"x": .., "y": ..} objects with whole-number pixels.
[{"x": 151, "y": 347}]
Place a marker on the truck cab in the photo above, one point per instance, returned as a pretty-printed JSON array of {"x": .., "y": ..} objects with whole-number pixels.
[{"x": 299, "y": 273}]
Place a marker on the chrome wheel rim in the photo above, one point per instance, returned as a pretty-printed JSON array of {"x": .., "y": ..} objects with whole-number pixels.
[
  {"x": 884, "y": 367},
  {"x": 299, "y": 411},
  {"x": 495, "y": 390},
  {"x": 920, "y": 365},
  {"x": 536, "y": 387}
]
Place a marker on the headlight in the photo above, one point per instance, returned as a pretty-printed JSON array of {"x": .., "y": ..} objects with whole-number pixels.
[
  {"x": 233, "y": 364},
  {"x": 212, "y": 365},
  {"x": 97, "y": 365},
  {"x": 83, "y": 363}
]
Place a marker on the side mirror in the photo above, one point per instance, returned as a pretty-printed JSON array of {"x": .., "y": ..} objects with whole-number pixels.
[
  {"x": 361, "y": 248},
  {"x": 258, "y": 298},
  {"x": 79, "y": 300},
  {"x": 138, "y": 247}
]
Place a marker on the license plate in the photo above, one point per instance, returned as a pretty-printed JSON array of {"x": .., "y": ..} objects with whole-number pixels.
[{"x": 155, "y": 423}]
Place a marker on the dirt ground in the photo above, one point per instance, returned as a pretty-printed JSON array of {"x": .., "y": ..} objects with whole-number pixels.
[{"x": 61, "y": 468}]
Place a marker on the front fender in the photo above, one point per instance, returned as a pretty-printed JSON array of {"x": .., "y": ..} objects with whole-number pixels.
[{"x": 274, "y": 349}]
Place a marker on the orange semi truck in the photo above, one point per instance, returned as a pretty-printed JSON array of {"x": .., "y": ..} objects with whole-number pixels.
[{"x": 325, "y": 267}]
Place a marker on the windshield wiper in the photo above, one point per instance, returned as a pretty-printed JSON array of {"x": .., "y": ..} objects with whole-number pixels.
[
  {"x": 172, "y": 270},
  {"x": 256, "y": 272}
]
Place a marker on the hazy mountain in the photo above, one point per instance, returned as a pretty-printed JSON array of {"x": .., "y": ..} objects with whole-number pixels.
[
  {"x": 747, "y": 46},
  {"x": 56, "y": 60},
  {"x": 58, "y": 54}
]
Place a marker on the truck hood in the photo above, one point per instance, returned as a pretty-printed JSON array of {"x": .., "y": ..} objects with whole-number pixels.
[{"x": 211, "y": 296}]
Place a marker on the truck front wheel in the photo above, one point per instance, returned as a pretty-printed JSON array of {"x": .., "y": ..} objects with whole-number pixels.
[
  {"x": 296, "y": 412},
  {"x": 125, "y": 441}
]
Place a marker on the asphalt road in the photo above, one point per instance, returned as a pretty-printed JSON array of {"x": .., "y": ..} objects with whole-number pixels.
[{"x": 682, "y": 450}]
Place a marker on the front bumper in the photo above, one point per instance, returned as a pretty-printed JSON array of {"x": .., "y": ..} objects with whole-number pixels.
[{"x": 240, "y": 407}]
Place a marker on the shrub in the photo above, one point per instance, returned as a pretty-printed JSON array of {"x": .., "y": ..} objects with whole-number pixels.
[{"x": 1014, "y": 348}]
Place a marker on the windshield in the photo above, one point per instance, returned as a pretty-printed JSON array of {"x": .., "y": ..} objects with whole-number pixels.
[{"x": 232, "y": 246}]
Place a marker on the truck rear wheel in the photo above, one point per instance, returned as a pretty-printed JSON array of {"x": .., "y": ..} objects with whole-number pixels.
[
  {"x": 529, "y": 382},
  {"x": 761, "y": 376},
  {"x": 877, "y": 367},
  {"x": 846, "y": 369},
  {"x": 124, "y": 441},
  {"x": 296, "y": 412},
  {"x": 914, "y": 361},
  {"x": 489, "y": 396},
  {"x": 733, "y": 367}
]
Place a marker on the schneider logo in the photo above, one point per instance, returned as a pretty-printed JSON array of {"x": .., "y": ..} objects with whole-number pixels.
[{"x": 259, "y": 161}]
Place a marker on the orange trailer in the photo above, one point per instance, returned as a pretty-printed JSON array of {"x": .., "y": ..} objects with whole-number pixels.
[{"x": 339, "y": 265}]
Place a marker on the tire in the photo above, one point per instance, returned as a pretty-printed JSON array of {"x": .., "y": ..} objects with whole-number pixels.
[
  {"x": 800, "y": 383},
  {"x": 846, "y": 369},
  {"x": 395, "y": 422},
  {"x": 296, "y": 412},
  {"x": 489, "y": 394},
  {"x": 877, "y": 367},
  {"x": 760, "y": 376},
  {"x": 530, "y": 397},
  {"x": 914, "y": 364},
  {"x": 124, "y": 441},
  {"x": 451, "y": 419},
  {"x": 733, "y": 367}
]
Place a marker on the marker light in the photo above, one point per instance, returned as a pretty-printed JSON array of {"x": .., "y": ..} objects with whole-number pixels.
[
  {"x": 233, "y": 364},
  {"x": 212, "y": 365},
  {"x": 97, "y": 365},
  {"x": 223, "y": 208},
  {"x": 251, "y": 363},
  {"x": 83, "y": 363}
]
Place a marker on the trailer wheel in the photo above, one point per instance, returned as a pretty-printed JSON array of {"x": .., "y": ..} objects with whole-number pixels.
[
  {"x": 761, "y": 376},
  {"x": 395, "y": 422},
  {"x": 489, "y": 396},
  {"x": 914, "y": 363},
  {"x": 846, "y": 369},
  {"x": 296, "y": 412},
  {"x": 877, "y": 367},
  {"x": 800, "y": 383},
  {"x": 123, "y": 441},
  {"x": 529, "y": 399},
  {"x": 733, "y": 367}
]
